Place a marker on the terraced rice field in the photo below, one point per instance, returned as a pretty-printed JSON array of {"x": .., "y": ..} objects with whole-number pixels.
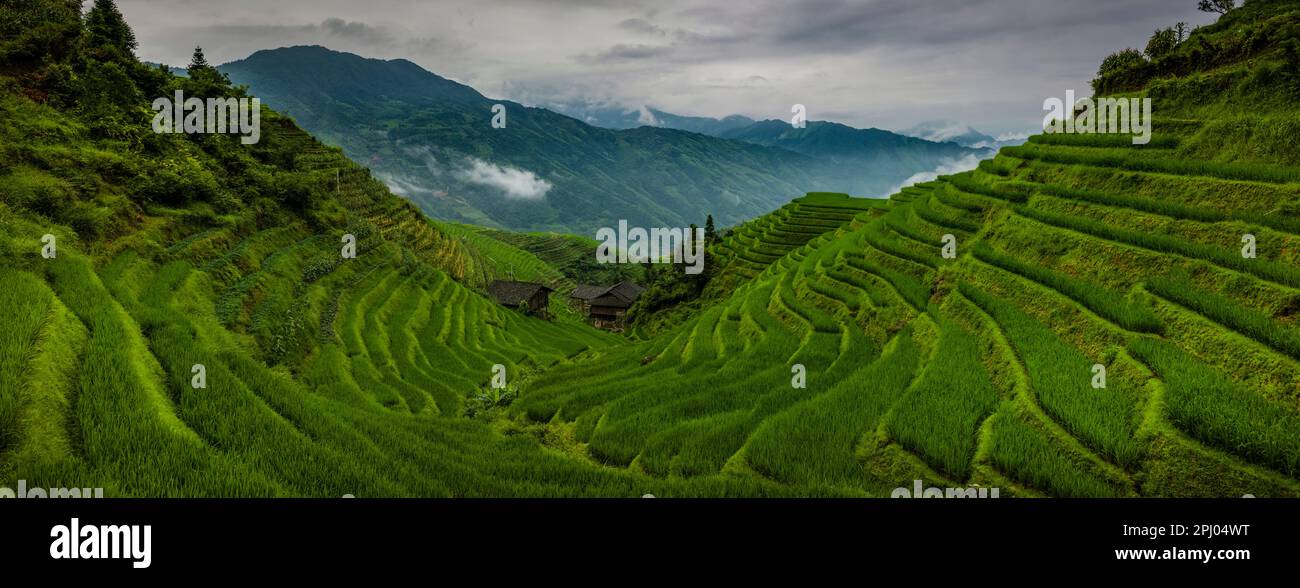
[
  {"x": 572, "y": 256},
  {"x": 747, "y": 250},
  {"x": 1078, "y": 317},
  {"x": 324, "y": 376},
  {"x": 972, "y": 370},
  {"x": 979, "y": 370}
]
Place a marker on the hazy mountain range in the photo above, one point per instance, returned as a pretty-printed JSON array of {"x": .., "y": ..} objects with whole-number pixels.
[
  {"x": 431, "y": 140},
  {"x": 962, "y": 134}
]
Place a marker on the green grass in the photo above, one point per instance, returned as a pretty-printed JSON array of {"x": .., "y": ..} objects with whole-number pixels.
[
  {"x": 1136, "y": 160},
  {"x": 940, "y": 418},
  {"x": 24, "y": 308},
  {"x": 1255, "y": 325},
  {"x": 911, "y": 289},
  {"x": 1104, "y": 419},
  {"x": 1163, "y": 207},
  {"x": 1120, "y": 141},
  {"x": 1028, "y": 454},
  {"x": 834, "y": 423},
  {"x": 1230, "y": 258},
  {"x": 1111, "y": 305},
  {"x": 1212, "y": 408},
  {"x": 367, "y": 376}
]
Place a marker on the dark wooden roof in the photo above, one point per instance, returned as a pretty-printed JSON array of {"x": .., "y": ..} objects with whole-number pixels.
[
  {"x": 627, "y": 290},
  {"x": 620, "y": 295},
  {"x": 588, "y": 292},
  {"x": 512, "y": 293}
]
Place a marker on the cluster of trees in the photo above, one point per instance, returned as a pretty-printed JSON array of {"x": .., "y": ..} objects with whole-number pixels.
[
  {"x": 85, "y": 67},
  {"x": 1163, "y": 42},
  {"x": 1219, "y": 6},
  {"x": 1175, "y": 51},
  {"x": 669, "y": 285}
]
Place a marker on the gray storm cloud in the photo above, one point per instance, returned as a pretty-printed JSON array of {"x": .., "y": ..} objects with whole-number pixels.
[{"x": 882, "y": 63}]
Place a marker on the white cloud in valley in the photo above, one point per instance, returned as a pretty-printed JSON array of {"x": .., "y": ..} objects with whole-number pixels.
[
  {"x": 514, "y": 183},
  {"x": 951, "y": 166}
]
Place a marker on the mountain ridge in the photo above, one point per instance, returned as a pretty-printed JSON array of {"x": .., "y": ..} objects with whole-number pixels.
[{"x": 585, "y": 177}]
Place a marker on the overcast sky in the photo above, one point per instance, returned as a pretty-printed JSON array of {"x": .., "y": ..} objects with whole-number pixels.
[{"x": 868, "y": 63}]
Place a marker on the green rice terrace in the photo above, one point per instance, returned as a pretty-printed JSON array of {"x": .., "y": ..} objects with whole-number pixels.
[{"x": 372, "y": 376}]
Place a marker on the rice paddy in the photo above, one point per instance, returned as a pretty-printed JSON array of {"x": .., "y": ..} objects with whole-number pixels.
[{"x": 1099, "y": 332}]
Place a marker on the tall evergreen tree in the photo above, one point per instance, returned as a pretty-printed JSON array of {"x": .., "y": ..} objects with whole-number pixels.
[
  {"x": 198, "y": 61},
  {"x": 710, "y": 233},
  {"x": 106, "y": 26}
]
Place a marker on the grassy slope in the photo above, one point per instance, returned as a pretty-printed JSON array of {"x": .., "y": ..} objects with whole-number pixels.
[
  {"x": 973, "y": 370},
  {"x": 1071, "y": 251},
  {"x": 364, "y": 364}
]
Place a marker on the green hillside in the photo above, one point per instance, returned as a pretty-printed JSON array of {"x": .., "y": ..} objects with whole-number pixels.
[
  {"x": 324, "y": 376},
  {"x": 1072, "y": 251},
  {"x": 571, "y": 255},
  {"x": 747, "y": 250},
  {"x": 742, "y": 253},
  {"x": 181, "y": 256},
  {"x": 432, "y": 140}
]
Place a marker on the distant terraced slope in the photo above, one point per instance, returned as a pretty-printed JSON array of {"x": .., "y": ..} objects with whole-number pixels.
[
  {"x": 747, "y": 250},
  {"x": 1072, "y": 252},
  {"x": 743, "y": 253},
  {"x": 572, "y": 255}
]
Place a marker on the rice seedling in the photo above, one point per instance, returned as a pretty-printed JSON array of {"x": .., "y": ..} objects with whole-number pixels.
[
  {"x": 940, "y": 417},
  {"x": 1109, "y": 304},
  {"x": 1061, "y": 377},
  {"x": 1027, "y": 453},
  {"x": 1210, "y": 407},
  {"x": 1255, "y": 325},
  {"x": 831, "y": 425},
  {"x": 1138, "y": 161},
  {"x": 1225, "y": 257}
]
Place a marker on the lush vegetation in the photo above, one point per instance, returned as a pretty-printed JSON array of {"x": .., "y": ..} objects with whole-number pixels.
[
  {"x": 430, "y": 138},
  {"x": 1073, "y": 318}
]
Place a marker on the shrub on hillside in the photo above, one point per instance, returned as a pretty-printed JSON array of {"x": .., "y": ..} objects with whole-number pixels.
[
  {"x": 294, "y": 190},
  {"x": 37, "y": 31},
  {"x": 1120, "y": 61},
  {"x": 177, "y": 181},
  {"x": 1162, "y": 43},
  {"x": 90, "y": 222}
]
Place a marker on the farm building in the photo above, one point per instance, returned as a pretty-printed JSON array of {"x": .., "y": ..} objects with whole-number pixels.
[
  {"x": 535, "y": 297},
  {"x": 606, "y": 306}
]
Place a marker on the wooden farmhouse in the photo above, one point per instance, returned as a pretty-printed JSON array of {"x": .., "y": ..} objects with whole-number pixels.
[
  {"x": 606, "y": 306},
  {"x": 530, "y": 296}
]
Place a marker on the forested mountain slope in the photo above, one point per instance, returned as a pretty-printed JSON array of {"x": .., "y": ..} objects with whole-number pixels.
[{"x": 433, "y": 140}]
